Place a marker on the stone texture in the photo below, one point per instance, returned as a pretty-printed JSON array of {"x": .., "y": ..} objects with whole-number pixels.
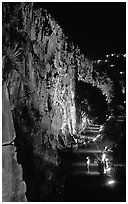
[
  {"x": 41, "y": 70},
  {"x": 7, "y": 121},
  {"x": 13, "y": 186},
  {"x": 41, "y": 87}
]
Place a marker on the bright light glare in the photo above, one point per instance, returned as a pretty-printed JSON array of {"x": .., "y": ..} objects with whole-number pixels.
[
  {"x": 110, "y": 182},
  {"x": 94, "y": 139},
  {"x": 101, "y": 128},
  {"x": 108, "y": 169}
]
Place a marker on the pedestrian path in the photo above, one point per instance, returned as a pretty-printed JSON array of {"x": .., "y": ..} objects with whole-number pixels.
[{"x": 90, "y": 134}]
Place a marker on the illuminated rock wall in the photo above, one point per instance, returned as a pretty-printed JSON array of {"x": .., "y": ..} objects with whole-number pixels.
[
  {"x": 56, "y": 87},
  {"x": 42, "y": 71},
  {"x": 39, "y": 70},
  {"x": 13, "y": 186}
]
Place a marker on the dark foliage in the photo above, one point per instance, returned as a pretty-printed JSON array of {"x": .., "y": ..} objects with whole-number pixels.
[{"x": 92, "y": 102}]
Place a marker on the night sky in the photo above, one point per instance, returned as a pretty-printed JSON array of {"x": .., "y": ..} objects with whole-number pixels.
[{"x": 97, "y": 28}]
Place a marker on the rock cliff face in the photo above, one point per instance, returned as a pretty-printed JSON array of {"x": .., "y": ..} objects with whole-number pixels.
[
  {"x": 40, "y": 71},
  {"x": 13, "y": 188}
]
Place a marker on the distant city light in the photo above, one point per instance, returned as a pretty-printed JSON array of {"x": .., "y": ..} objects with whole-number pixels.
[
  {"x": 112, "y": 55},
  {"x": 106, "y": 60},
  {"x": 121, "y": 72},
  {"x": 124, "y": 55},
  {"x": 99, "y": 61},
  {"x": 107, "y": 56},
  {"x": 112, "y": 65}
]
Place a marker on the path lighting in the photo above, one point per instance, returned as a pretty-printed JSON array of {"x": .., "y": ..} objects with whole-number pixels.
[
  {"x": 110, "y": 182},
  {"x": 94, "y": 139},
  {"x": 101, "y": 128}
]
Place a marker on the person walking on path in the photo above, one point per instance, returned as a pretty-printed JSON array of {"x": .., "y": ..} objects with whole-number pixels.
[
  {"x": 104, "y": 158},
  {"x": 88, "y": 164}
]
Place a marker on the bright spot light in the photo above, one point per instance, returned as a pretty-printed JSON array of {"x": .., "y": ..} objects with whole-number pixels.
[
  {"x": 110, "y": 182},
  {"x": 108, "y": 169},
  {"x": 103, "y": 156},
  {"x": 94, "y": 139}
]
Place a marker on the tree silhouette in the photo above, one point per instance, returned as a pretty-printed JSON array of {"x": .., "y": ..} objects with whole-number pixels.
[{"x": 91, "y": 102}]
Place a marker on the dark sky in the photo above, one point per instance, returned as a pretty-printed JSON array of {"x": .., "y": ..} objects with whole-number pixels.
[{"x": 98, "y": 28}]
